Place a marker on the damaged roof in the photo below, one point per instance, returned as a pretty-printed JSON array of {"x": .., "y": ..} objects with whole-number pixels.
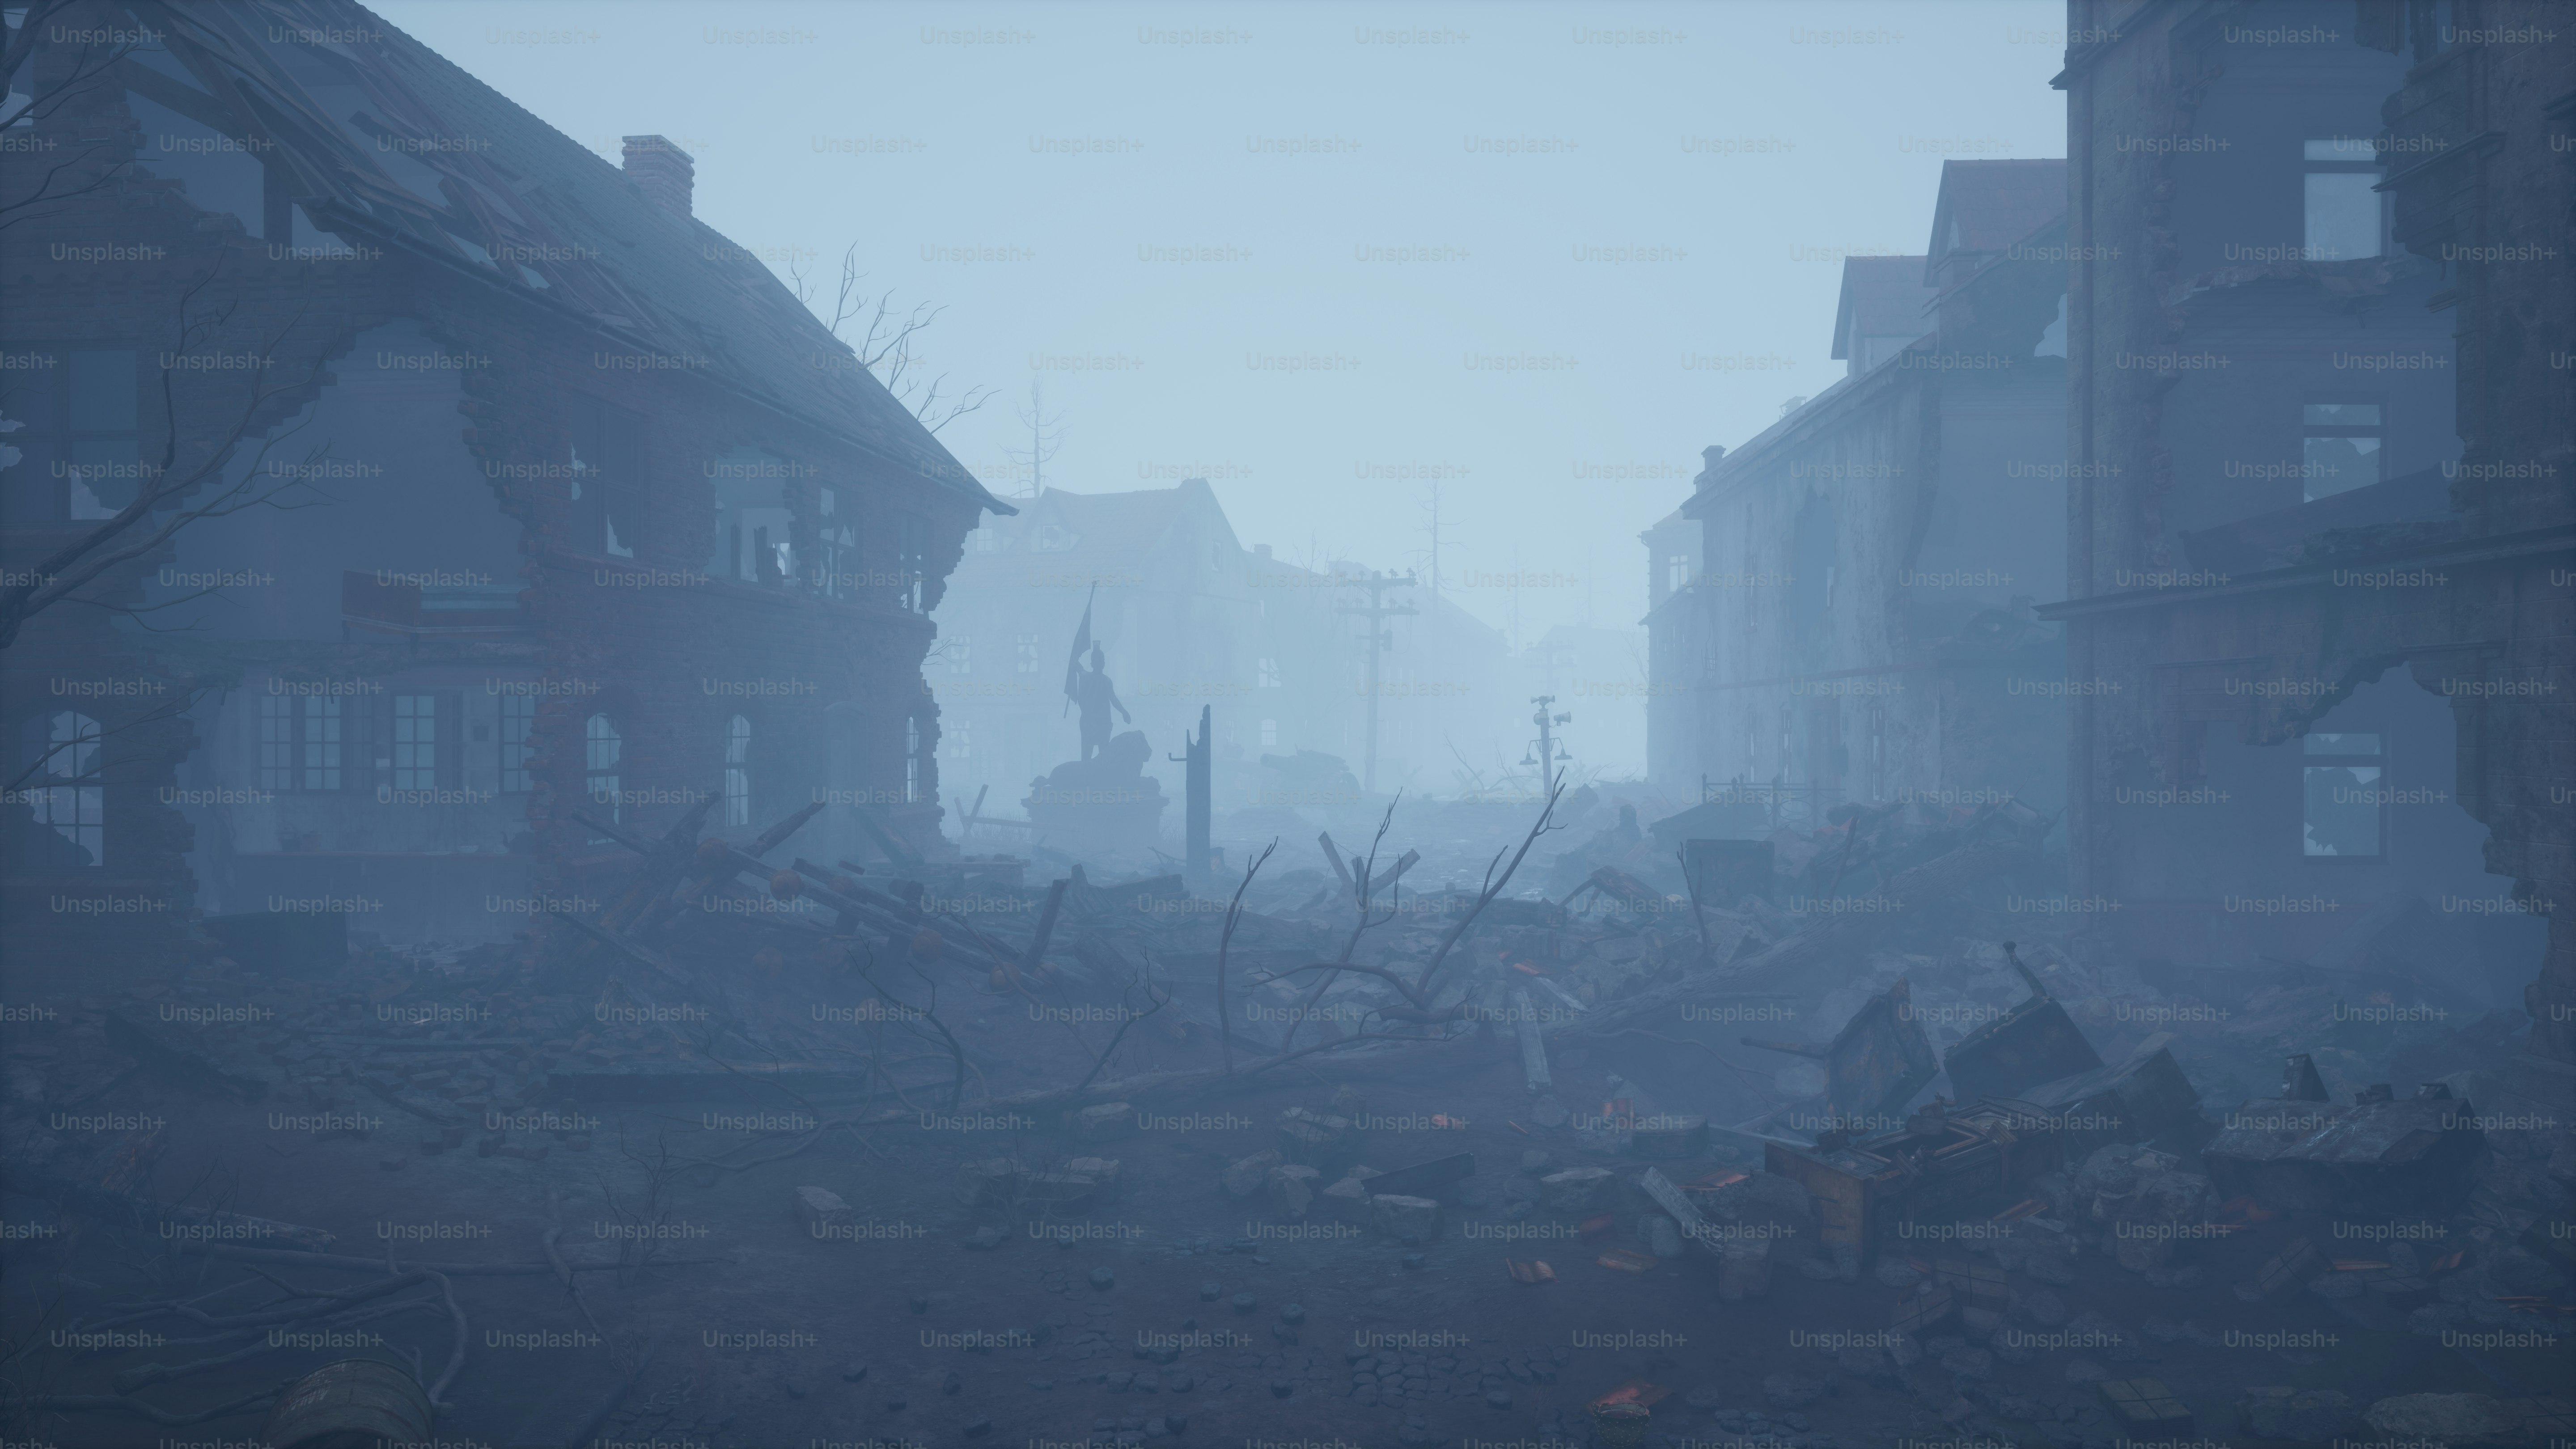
[
  {"x": 385, "y": 140},
  {"x": 1882, "y": 297},
  {"x": 1112, "y": 537},
  {"x": 1986, "y": 206}
]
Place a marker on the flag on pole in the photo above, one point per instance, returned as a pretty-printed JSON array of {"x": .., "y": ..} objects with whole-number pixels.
[{"x": 1081, "y": 644}]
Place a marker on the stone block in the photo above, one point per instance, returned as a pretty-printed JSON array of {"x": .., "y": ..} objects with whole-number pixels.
[
  {"x": 1399, "y": 1216},
  {"x": 1249, "y": 1175},
  {"x": 1575, "y": 1190},
  {"x": 1743, "y": 1268},
  {"x": 1346, "y": 1201},
  {"x": 1102, "y": 1171},
  {"x": 1106, "y": 1122},
  {"x": 1292, "y": 1191},
  {"x": 993, "y": 1182}
]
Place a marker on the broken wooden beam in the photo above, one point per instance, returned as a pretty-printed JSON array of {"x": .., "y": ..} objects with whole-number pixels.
[
  {"x": 1533, "y": 1050},
  {"x": 1046, "y": 929},
  {"x": 1349, "y": 887},
  {"x": 895, "y": 850},
  {"x": 1394, "y": 873}
]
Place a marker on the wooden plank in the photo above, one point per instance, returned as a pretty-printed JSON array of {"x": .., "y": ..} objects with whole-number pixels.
[{"x": 1533, "y": 1051}]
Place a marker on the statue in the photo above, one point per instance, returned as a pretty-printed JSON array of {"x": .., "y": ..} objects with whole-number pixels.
[{"x": 1097, "y": 697}]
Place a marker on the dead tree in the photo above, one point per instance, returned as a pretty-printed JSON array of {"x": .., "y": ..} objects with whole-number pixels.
[
  {"x": 888, "y": 349},
  {"x": 174, "y": 490},
  {"x": 47, "y": 90}
]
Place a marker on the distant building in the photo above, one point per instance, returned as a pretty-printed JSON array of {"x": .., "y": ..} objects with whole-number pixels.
[
  {"x": 589, "y": 512},
  {"x": 1188, "y": 617},
  {"x": 1855, "y": 622}
]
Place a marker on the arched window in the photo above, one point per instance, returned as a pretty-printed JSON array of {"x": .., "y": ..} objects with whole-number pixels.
[
  {"x": 602, "y": 752},
  {"x": 912, "y": 760},
  {"x": 70, "y": 798},
  {"x": 738, "y": 772}
]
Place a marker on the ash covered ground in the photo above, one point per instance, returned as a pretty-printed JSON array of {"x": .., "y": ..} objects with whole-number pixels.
[{"x": 990, "y": 1163}]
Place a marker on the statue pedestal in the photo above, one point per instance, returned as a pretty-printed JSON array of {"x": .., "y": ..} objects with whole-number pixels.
[{"x": 1106, "y": 803}]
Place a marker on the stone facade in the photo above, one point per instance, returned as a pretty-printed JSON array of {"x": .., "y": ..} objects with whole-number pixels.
[
  {"x": 1859, "y": 627},
  {"x": 2293, "y": 254}
]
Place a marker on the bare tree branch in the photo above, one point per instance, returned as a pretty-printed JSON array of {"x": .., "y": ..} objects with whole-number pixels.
[
  {"x": 1234, "y": 913},
  {"x": 129, "y": 535},
  {"x": 887, "y": 349}
]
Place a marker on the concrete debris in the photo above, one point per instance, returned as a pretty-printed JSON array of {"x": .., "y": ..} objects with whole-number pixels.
[
  {"x": 1316, "y": 1139},
  {"x": 2442, "y": 1418},
  {"x": 822, "y": 1213},
  {"x": 1106, "y": 1122},
  {"x": 1403, "y": 1218},
  {"x": 1575, "y": 1190},
  {"x": 2381, "y": 1156},
  {"x": 1251, "y": 1174},
  {"x": 2318, "y": 1416},
  {"x": 1103, "y": 1171},
  {"x": 993, "y": 1182},
  {"x": 1293, "y": 1188}
]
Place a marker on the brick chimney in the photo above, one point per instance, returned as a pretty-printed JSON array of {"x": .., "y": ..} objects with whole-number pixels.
[{"x": 666, "y": 172}]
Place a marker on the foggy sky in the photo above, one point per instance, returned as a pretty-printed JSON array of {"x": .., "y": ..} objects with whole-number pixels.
[{"x": 1009, "y": 162}]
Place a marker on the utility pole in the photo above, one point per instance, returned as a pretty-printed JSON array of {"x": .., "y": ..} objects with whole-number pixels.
[
  {"x": 1547, "y": 743},
  {"x": 1379, "y": 638}
]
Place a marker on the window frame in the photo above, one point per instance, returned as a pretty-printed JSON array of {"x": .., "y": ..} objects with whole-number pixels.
[
  {"x": 80, "y": 784},
  {"x": 2312, "y": 167},
  {"x": 737, "y": 771},
  {"x": 596, "y": 729}
]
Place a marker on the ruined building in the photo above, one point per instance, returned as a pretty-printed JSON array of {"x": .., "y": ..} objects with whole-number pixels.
[
  {"x": 2319, "y": 418},
  {"x": 543, "y": 495},
  {"x": 1853, "y": 623}
]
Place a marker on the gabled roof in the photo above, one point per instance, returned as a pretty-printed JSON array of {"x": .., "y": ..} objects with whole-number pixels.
[
  {"x": 1882, "y": 297},
  {"x": 386, "y": 140},
  {"x": 1986, "y": 206},
  {"x": 1108, "y": 535}
]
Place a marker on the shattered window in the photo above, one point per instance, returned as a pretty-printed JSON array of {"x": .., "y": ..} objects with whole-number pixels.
[
  {"x": 1024, "y": 658},
  {"x": 602, "y": 753},
  {"x": 518, "y": 730},
  {"x": 961, "y": 654},
  {"x": 71, "y": 800},
  {"x": 738, "y": 771},
  {"x": 2342, "y": 209},
  {"x": 1269, "y": 673},
  {"x": 915, "y": 565},
  {"x": 607, "y": 476},
  {"x": 2346, "y": 792},
  {"x": 836, "y": 561}
]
